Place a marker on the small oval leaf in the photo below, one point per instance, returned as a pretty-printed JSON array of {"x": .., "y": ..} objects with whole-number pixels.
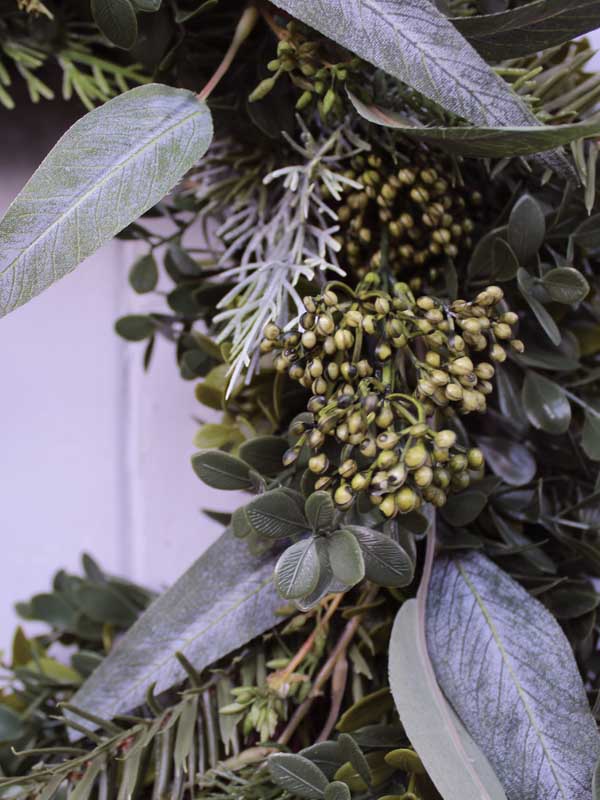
[
  {"x": 386, "y": 562},
  {"x": 320, "y": 511},
  {"x": 117, "y": 21},
  {"x": 346, "y": 558},
  {"x": 275, "y": 515},
  {"x": 297, "y": 571},
  {"x": 546, "y": 404},
  {"x": 297, "y": 775},
  {"x": 221, "y": 470}
]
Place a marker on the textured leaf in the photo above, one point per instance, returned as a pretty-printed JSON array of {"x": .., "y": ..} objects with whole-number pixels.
[
  {"x": 565, "y": 285},
  {"x": 326, "y": 755},
  {"x": 453, "y": 761},
  {"x": 546, "y": 404},
  {"x": 320, "y": 511},
  {"x": 297, "y": 571},
  {"x": 117, "y": 21},
  {"x": 225, "y": 599},
  {"x": 414, "y": 42},
  {"x": 221, "y": 470},
  {"x": 107, "y": 170},
  {"x": 355, "y": 756},
  {"x": 507, "y": 668},
  {"x": 337, "y": 791},
  {"x": 527, "y": 29},
  {"x": 298, "y": 775},
  {"x": 275, "y": 515},
  {"x": 386, "y": 562},
  {"x": 481, "y": 141}
]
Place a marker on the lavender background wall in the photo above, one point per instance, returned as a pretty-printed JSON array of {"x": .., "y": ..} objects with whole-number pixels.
[{"x": 94, "y": 454}]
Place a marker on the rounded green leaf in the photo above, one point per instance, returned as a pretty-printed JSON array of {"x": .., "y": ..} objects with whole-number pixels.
[
  {"x": 221, "y": 470},
  {"x": 264, "y": 453},
  {"x": 546, "y": 404},
  {"x": 337, "y": 790},
  {"x": 346, "y": 558},
  {"x": 509, "y": 460},
  {"x": 143, "y": 276},
  {"x": 239, "y": 524},
  {"x": 274, "y": 515},
  {"x": 320, "y": 511},
  {"x": 135, "y": 327},
  {"x": 526, "y": 228},
  {"x": 386, "y": 562},
  {"x": 464, "y": 508},
  {"x": 117, "y": 21},
  {"x": 297, "y": 571},
  {"x": 298, "y": 775},
  {"x": 148, "y": 6},
  {"x": 565, "y": 285}
]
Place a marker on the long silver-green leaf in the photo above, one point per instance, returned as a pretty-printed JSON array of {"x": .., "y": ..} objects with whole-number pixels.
[
  {"x": 414, "y": 42},
  {"x": 109, "y": 168},
  {"x": 508, "y": 670},
  {"x": 225, "y": 599}
]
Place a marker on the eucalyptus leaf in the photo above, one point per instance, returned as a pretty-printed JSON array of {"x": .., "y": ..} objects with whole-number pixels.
[
  {"x": 221, "y": 470},
  {"x": 507, "y": 668},
  {"x": 453, "y": 761},
  {"x": 107, "y": 170},
  {"x": 546, "y": 404},
  {"x": 224, "y": 600},
  {"x": 481, "y": 141},
  {"x": 346, "y": 557},
  {"x": 565, "y": 285},
  {"x": 273, "y": 515},
  {"x": 298, "y": 775},
  {"x": 529, "y": 28},
  {"x": 117, "y": 21},
  {"x": 414, "y": 42},
  {"x": 297, "y": 571},
  {"x": 386, "y": 562},
  {"x": 135, "y": 327}
]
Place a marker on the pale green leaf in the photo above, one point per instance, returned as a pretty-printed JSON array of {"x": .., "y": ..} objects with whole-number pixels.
[
  {"x": 107, "y": 170},
  {"x": 297, "y": 571},
  {"x": 346, "y": 557},
  {"x": 508, "y": 670},
  {"x": 297, "y": 775}
]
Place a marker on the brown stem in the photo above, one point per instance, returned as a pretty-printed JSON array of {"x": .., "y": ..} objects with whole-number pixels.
[
  {"x": 338, "y": 688},
  {"x": 243, "y": 30}
]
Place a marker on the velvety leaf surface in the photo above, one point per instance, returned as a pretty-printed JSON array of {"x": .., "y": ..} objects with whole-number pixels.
[
  {"x": 527, "y": 29},
  {"x": 225, "y": 599},
  {"x": 505, "y": 665},
  {"x": 108, "y": 169},
  {"x": 416, "y": 43}
]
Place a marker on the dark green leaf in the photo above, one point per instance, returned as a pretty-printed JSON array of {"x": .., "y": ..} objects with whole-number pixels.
[
  {"x": 104, "y": 604},
  {"x": 11, "y": 725},
  {"x": 135, "y": 327},
  {"x": 223, "y": 601},
  {"x": 53, "y": 609},
  {"x": 546, "y": 404},
  {"x": 148, "y": 6},
  {"x": 481, "y": 142},
  {"x": 239, "y": 523},
  {"x": 510, "y": 533},
  {"x": 386, "y": 562},
  {"x": 143, "y": 276},
  {"x": 591, "y": 435},
  {"x": 509, "y": 672},
  {"x": 326, "y": 755},
  {"x": 264, "y": 454},
  {"x": 527, "y": 285},
  {"x": 354, "y": 755},
  {"x": 337, "y": 791},
  {"x": 297, "y": 571},
  {"x": 117, "y": 21},
  {"x": 526, "y": 228},
  {"x": 587, "y": 234},
  {"x": 529, "y": 28},
  {"x": 297, "y": 775},
  {"x": 221, "y": 470},
  {"x": 320, "y": 511},
  {"x": 273, "y": 515},
  {"x": 108, "y": 152},
  {"x": 509, "y": 460},
  {"x": 346, "y": 558},
  {"x": 572, "y": 600},
  {"x": 464, "y": 508},
  {"x": 565, "y": 285}
]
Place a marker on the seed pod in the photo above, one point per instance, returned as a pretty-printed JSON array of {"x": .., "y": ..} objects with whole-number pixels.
[
  {"x": 343, "y": 496},
  {"x": 290, "y": 456},
  {"x": 406, "y": 500},
  {"x": 423, "y": 477},
  {"x": 415, "y": 457},
  {"x": 348, "y": 468},
  {"x": 475, "y": 458},
  {"x": 262, "y": 90},
  {"x": 318, "y": 464},
  {"x": 445, "y": 439}
]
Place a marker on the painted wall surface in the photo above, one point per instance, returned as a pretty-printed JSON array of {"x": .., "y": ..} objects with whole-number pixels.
[{"x": 94, "y": 454}]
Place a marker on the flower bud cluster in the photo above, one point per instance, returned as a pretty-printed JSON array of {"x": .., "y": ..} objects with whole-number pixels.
[
  {"x": 426, "y": 218},
  {"x": 308, "y": 63},
  {"x": 378, "y": 364}
]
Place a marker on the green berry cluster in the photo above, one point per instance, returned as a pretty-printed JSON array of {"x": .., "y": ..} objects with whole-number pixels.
[
  {"x": 378, "y": 365},
  {"x": 307, "y": 61},
  {"x": 425, "y": 218}
]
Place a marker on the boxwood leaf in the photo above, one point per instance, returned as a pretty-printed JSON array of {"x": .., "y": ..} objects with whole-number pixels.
[
  {"x": 546, "y": 404},
  {"x": 481, "y": 141},
  {"x": 591, "y": 435},
  {"x": 117, "y": 21},
  {"x": 222, "y": 470},
  {"x": 565, "y": 285},
  {"x": 464, "y": 508},
  {"x": 455, "y": 764},
  {"x": 526, "y": 228},
  {"x": 509, "y": 460},
  {"x": 320, "y": 511},
  {"x": 337, "y": 790},
  {"x": 386, "y": 562},
  {"x": 274, "y": 515},
  {"x": 527, "y": 285},
  {"x": 527, "y": 29},
  {"x": 297, "y": 571},
  {"x": 508, "y": 670},
  {"x": 346, "y": 557},
  {"x": 143, "y": 275},
  {"x": 298, "y": 775},
  {"x": 414, "y": 42},
  {"x": 225, "y": 599},
  {"x": 107, "y": 170}
]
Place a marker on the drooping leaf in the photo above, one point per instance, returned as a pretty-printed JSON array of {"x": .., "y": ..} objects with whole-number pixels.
[
  {"x": 481, "y": 141},
  {"x": 298, "y": 775},
  {"x": 386, "y": 562},
  {"x": 274, "y": 515},
  {"x": 346, "y": 557},
  {"x": 509, "y": 672},
  {"x": 117, "y": 21},
  {"x": 320, "y": 511},
  {"x": 527, "y": 287},
  {"x": 526, "y": 228},
  {"x": 225, "y": 599},
  {"x": 107, "y": 170},
  {"x": 297, "y": 571},
  {"x": 414, "y": 42},
  {"x": 590, "y": 440},
  {"x": 509, "y": 460},
  {"x": 546, "y": 404},
  {"x": 221, "y": 470},
  {"x": 453, "y": 761},
  {"x": 565, "y": 285},
  {"x": 527, "y": 29}
]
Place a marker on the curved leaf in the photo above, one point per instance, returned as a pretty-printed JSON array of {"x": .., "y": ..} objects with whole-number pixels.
[
  {"x": 275, "y": 515},
  {"x": 546, "y": 404},
  {"x": 504, "y": 663},
  {"x": 298, "y": 775},
  {"x": 565, "y": 285},
  {"x": 264, "y": 453},
  {"x": 117, "y": 21},
  {"x": 225, "y": 599},
  {"x": 108, "y": 169},
  {"x": 346, "y": 557},
  {"x": 320, "y": 511},
  {"x": 386, "y": 562},
  {"x": 509, "y": 460},
  {"x": 221, "y": 470},
  {"x": 481, "y": 141},
  {"x": 529, "y": 28},
  {"x": 298, "y": 569},
  {"x": 414, "y": 42}
]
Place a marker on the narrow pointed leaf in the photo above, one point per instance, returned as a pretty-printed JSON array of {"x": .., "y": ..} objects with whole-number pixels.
[
  {"x": 504, "y": 663},
  {"x": 225, "y": 599},
  {"x": 107, "y": 170}
]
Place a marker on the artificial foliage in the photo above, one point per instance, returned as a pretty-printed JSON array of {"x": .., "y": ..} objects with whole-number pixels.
[{"x": 372, "y": 233}]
